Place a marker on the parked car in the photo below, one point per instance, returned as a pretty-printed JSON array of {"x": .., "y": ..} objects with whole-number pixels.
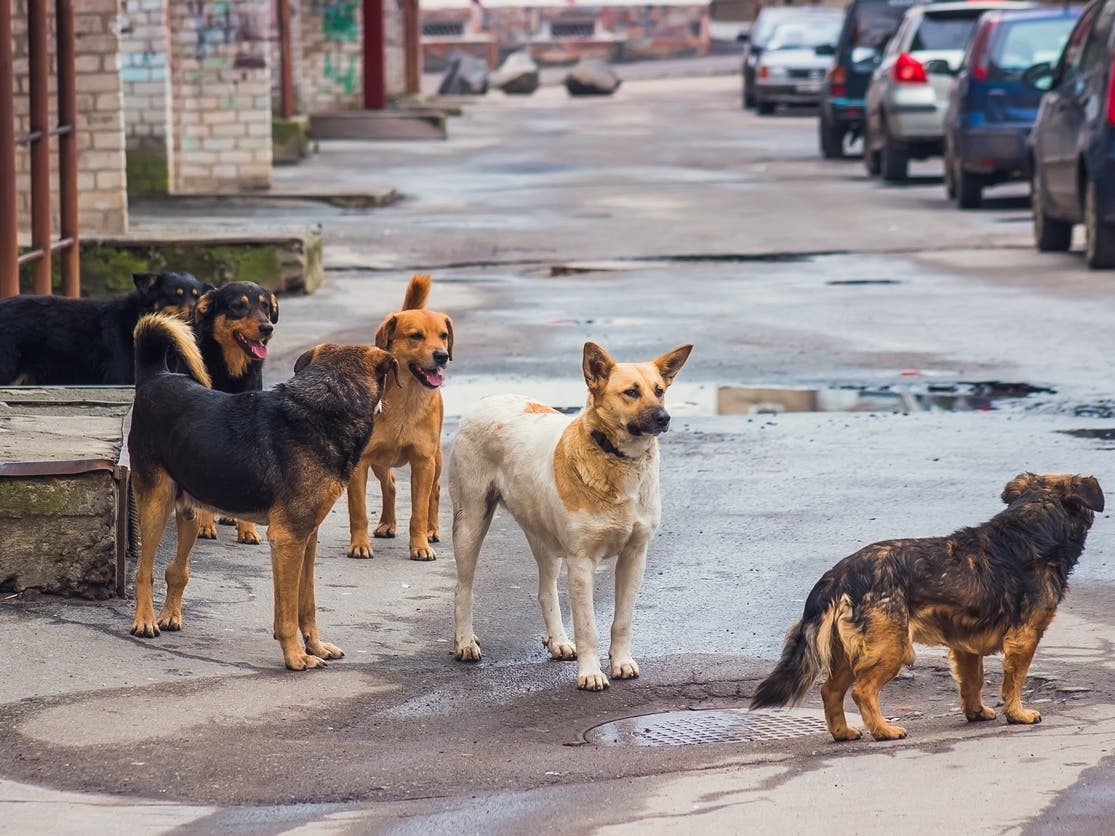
[
  {"x": 991, "y": 109},
  {"x": 1072, "y": 144},
  {"x": 794, "y": 63},
  {"x": 904, "y": 115},
  {"x": 767, "y": 21},
  {"x": 868, "y": 25}
]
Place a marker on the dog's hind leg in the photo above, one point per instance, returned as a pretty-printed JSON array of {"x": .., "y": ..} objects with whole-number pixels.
[
  {"x": 967, "y": 670},
  {"x": 590, "y": 677},
  {"x": 433, "y": 521},
  {"x": 178, "y": 570},
  {"x": 154, "y": 496},
  {"x": 1019, "y": 647},
  {"x": 358, "y": 544},
  {"x": 472, "y": 515},
  {"x": 556, "y": 640},
  {"x": 307, "y": 607},
  {"x": 885, "y": 649},
  {"x": 388, "y": 522},
  {"x": 833, "y": 691},
  {"x": 630, "y": 567}
]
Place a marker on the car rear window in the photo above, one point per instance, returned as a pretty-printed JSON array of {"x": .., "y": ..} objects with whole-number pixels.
[
  {"x": 1022, "y": 43},
  {"x": 874, "y": 23},
  {"x": 945, "y": 31}
]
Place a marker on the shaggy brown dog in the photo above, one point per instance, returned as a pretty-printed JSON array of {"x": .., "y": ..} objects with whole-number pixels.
[
  {"x": 408, "y": 428},
  {"x": 989, "y": 589}
]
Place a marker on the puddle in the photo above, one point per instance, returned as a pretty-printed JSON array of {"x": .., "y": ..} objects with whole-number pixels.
[{"x": 702, "y": 400}]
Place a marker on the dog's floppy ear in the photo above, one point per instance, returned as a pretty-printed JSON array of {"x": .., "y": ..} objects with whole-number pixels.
[
  {"x": 305, "y": 360},
  {"x": 204, "y": 306},
  {"x": 1017, "y": 486},
  {"x": 145, "y": 282},
  {"x": 449, "y": 330},
  {"x": 274, "y": 307},
  {"x": 386, "y": 332},
  {"x": 384, "y": 364},
  {"x": 597, "y": 366},
  {"x": 670, "y": 363},
  {"x": 1087, "y": 490}
]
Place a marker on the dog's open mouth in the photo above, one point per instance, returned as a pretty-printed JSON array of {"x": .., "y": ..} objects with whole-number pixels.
[
  {"x": 431, "y": 378},
  {"x": 255, "y": 348}
]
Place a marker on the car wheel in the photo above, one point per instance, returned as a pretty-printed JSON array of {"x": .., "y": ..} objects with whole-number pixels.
[
  {"x": 870, "y": 155},
  {"x": 764, "y": 108},
  {"x": 893, "y": 162},
  {"x": 832, "y": 140},
  {"x": 969, "y": 188},
  {"x": 950, "y": 176},
  {"x": 1099, "y": 237},
  {"x": 1050, "y": 234}
]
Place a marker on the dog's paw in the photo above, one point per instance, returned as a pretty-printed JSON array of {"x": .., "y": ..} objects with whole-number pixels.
[
  {"x": 170, "y": 621},
  {"x": 422, "y": 553},
  {"x": 384, "y": 531},
  {"x": 207, "y": 530},
  {"x": 625, "y": 669},
  {"x": 1024, "y": 716},
  {"x": 433, "y": 537},
  {"x": 561, "y": 649},
  {"x": 889, "y": 733},
  {"x": 226, "y": 521},
  {"x": 246, "y": 533},
  {"x": 468, "y": 651},
  {"x": 360, "y": 551},
  {"x": 592, "y": 681},
  {"x": 984, "y": 713},
  {"x": 324, "y": 650},
  {"x": 303, "y": 661},
  {"x": 846, "y": 733},
  {"x": 145, "y": 628}
]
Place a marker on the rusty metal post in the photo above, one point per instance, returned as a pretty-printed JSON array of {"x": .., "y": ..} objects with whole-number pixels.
[
  {"x": 39, "y": 71},
  {"x": 67, "y": 145},
  {"x": 375, "y": 89},
  {"x": 286, "y": 60},
  {"x": 9, "y": 223},
  {"x": 412, "y": 47}
]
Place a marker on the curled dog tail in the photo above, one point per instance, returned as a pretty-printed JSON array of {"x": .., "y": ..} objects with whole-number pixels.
[
  {"x": 418, "y": 291},
  {"x": 155, "y": 335},
  {"x": 805, "y": 656}
]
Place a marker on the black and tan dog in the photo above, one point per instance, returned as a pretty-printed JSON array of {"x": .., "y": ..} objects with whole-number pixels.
[
  {"x": 57, "y": 341},
  {"x": 233, "y": 325},
  {"x": 280, "y": 457},
  {"x": 988, "y": 589}
]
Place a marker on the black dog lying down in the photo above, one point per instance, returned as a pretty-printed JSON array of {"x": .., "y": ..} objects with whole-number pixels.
[
  {"x": 57, "y": 341},
  {"x": 280, "y": 457},
  {"x": 993, "y": 588}
]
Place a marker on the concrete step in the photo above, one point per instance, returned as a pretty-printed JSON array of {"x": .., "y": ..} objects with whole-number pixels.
[{"x": 406, "y": 123}]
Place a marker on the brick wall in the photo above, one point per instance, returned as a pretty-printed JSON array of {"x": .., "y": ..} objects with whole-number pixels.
[
  {"x": 394, "y": 57},
  {"x": 332, "y": 70},
  {"x": 144, "y": 37},
  {"x": 221, "y": 92},
  {"x": 102, "y": 201}
]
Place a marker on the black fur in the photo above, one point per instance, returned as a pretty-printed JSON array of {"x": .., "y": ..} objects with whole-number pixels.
[
  {"x": 58, "y": 341},
  {"x": 227, "y": 301}
]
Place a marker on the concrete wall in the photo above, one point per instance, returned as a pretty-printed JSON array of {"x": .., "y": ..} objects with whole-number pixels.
[
  {"x": 102, "y": 201},
  {"x": 144, "y": 39}
]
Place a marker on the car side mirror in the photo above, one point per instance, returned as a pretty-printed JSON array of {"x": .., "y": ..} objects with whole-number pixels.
[
  {"x": 1039, "y": 76},
  {"x": 824, "y": 49},
  {"x": 744, "y": 37},
  {"x": 938, "y": 66}
]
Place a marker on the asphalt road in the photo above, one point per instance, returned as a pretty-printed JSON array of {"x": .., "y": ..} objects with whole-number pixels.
[{"x": 663, "y": 216}]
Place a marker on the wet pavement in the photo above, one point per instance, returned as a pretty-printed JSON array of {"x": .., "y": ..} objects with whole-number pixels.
[{"x": 869, "y": 363}]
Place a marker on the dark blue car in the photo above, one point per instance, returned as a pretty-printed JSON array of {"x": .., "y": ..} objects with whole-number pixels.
[{"x": 992, "y": 108}]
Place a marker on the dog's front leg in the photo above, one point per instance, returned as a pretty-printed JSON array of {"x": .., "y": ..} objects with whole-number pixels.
[
  {"x": 421, "y": 484},
  {"x": 1019, "y": 647},
  {"x": 589, "y": 675},
  {"x": 967, "y": 670},
  {"x": 358, "y": 543},
  {"x": 288, "y": 552},
  {"x": 630, "y": 567},
  {"x": 307, "y": 607}
]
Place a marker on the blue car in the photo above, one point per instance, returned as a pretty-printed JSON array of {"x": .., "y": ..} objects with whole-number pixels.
[{"x": 992, "y": 108}]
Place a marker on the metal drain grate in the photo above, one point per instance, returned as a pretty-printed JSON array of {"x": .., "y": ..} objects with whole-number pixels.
[{"x": 731, "y": 725}]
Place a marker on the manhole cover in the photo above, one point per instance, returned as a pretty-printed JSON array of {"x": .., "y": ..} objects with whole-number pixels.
[{"x": 731, "y": 725}]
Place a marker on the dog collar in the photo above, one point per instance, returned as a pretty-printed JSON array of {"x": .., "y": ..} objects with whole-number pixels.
[{"x": 605, "y": 444}]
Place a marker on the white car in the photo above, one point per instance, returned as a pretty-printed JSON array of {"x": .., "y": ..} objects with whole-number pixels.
[
  {"x": 909, "y": 91},
  {"x": 791, "y": 70}
]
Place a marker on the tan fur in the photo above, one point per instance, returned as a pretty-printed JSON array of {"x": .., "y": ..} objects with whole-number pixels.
[
  {"x": 407, "y": 430},
  {"x": 184, "y": 340},
  {"x": 539, "y": 408}
]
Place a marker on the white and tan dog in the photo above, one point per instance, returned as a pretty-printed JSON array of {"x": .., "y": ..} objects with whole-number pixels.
[{"x": 582, "y": 490}]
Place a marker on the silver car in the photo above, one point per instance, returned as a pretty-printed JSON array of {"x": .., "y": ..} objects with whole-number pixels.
[
  {"x": 909, "y": 91},
  {"x": 792, "y": 68}
]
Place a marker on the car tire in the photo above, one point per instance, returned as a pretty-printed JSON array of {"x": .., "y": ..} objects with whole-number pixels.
[
  {"x": 764, "y": 108},
  {"x": 1050, "y": 234},
  {"x": 1099, "y": 237},
  {"x": 950, "y": 175},
  {"x": 832, "y": 140},
  {"x": 969, "y": 188},
  {"x": 870, "y": 155},
  {"x": 893, "y": 161}
]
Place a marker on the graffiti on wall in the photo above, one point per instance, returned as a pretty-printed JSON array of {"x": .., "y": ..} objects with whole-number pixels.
[
  {"x": 340, "y": 26},
  {"x": 225, "y": 23}
]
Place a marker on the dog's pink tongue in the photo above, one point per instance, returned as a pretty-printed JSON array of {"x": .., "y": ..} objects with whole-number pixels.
[
  {"x": 258, "y": 349},
  {"x": 434, "y": 378}
]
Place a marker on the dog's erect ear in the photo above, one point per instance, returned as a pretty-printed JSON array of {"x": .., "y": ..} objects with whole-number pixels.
[
  {"x": 1087, "y": 490},
  {"x": 597, "y": 365},
  {"x": 206, "y": 287},
  {"x": 386, "y": 332},
  {"x": 274, "y": 307},
  {"x": 305, "y": 360},
  {"x": 1017, "y": 486},
  {"x": 145, "y": 282},
  {"x": 204, "y": 307},
  {"x": 670, "y": 363},
  {"x": 449, "y": 330},
  {"x": 384, "y": 363}
]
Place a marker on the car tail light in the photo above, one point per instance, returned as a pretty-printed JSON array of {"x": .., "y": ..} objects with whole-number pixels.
[
  {"x": 909, "y": 70},
  {"x": 1111, "y": 94},
  {"x": 837, "y": 77},
  {"x": 981, "y": 50},
  {"x": 764, "y": 72}
]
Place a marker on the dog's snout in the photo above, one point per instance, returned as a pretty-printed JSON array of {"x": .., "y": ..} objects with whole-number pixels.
[
  {"x": 441, "y": 357},
  {"x": 662, "y": 420},
  {"x": 266, "y": 329}
]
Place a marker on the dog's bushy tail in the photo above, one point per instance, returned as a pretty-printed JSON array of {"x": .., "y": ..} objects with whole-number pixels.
[
  {"x": 805, "y": 656},
  {"x": 155, "y": 335},
  {"x": 418, "y": 291}
]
